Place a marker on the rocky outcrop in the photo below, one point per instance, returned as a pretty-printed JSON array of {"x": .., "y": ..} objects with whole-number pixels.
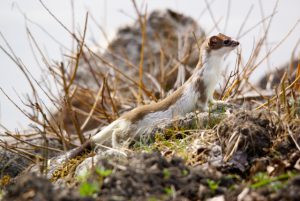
[
  {"x": 16, "y": 155},
  {"x": 166, "y": 34}
]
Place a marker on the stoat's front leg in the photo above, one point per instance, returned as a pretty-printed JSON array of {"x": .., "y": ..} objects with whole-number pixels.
[
  {"x": 213, "y": 101},
  {"x": 220, "y": 105}
]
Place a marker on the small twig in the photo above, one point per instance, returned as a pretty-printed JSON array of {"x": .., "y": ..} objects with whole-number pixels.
[
  {"x": 114, "y": 109},
  {"x": 79, "y": 53},
  {"x": 142, "y": 21},
  {"x": 244, "y": 22},
  {"x": 19, "y": 152},
  {"x": 255, "y": 25},
  {"x": 227, "y": 15},
  {"x": 212, "y": 16},
  {"x": 293, "y": 138},
  {"x": 92, "y": 110}
]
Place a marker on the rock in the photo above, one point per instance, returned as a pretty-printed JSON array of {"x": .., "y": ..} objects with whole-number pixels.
[
  {"x": 86, "y": 166},
  {"x": 13, "y": 163},
  {"x": 217, "y": 198},
  {"x": 163, "y": 31}
]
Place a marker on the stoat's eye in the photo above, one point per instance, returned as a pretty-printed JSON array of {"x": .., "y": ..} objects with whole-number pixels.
[{"x": 226, "y": 42}]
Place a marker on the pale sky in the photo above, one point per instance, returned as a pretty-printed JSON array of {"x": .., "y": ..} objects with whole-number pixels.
[{"x": 111, "y": 14}]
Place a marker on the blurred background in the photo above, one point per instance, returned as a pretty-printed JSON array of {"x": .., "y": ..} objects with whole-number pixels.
[{"x": 112, "y": 14}]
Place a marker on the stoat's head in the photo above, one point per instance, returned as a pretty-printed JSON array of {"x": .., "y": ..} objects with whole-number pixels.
[{"x": 220, "y": 44}]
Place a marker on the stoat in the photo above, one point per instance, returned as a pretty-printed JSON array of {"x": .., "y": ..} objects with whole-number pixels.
[{"x": 193, "y": 95}]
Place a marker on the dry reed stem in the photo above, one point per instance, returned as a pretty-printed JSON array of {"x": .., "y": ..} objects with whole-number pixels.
[
  {"x": 79, "y": 53},
  {"x": 142, "y": 22},
  {"x": 212, "y": 16},
  {"x": 275, "y": 97},
  {"x": 297, "y": 85}
]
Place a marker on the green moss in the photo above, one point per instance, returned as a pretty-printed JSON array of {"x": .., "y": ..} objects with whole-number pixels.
[
  {"x": 67, "y": 168},
  {"x": 4, "y": 181}
]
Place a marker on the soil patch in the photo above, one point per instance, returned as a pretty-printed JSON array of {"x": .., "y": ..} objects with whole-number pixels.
[
  {"x": 151, "y": 176},
  {"x": 32, "y": 187}
]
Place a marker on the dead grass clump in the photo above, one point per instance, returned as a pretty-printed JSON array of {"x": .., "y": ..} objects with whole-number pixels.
[{"x": 251, "y": 133}]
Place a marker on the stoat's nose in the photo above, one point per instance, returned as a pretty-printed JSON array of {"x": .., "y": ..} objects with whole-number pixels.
[{"x": 235, "y": 43}]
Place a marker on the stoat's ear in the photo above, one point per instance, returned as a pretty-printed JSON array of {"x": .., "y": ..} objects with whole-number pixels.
[
  {"x": 213, "y": 41},
  {"x": 222, "y": 35}
]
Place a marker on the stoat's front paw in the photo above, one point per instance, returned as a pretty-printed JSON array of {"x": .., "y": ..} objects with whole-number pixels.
[
  {"x": 114, "y": 153},
  {"x": 214, "y": 102},
  {"x": 221, "y": 106},
  {"x": 206, "y": 109}
]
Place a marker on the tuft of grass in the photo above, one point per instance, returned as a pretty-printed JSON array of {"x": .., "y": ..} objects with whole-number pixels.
[
  {"x": 153, "y": 199},
  {"x": 166, "y": 174},
  {"x": 213, "y": 185},
  {"x": 91, "y": 183},
  {"x": 170, "y": 191},
  {"x": 2, "y": 193},
  {"x": 88, "y": 189},
  {"x": 262, "y": 179},
  {"x": 103, "y": 172},
  {"x": 185, "y": 173}
]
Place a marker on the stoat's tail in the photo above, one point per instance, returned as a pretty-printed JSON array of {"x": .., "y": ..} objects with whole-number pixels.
[
  {"x": 99, "y": 138},
  {"x": 106, "y": 133}
]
